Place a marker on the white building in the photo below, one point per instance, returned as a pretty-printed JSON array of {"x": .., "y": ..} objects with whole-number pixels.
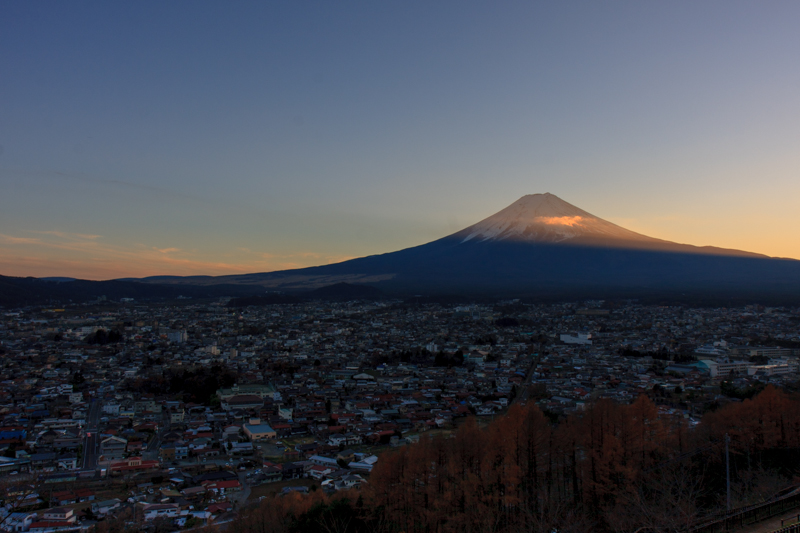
[
  {"x": 15, "y": 522},
  {"x": 769, "y": 370},
  {"x": 579, "y": 338},
  {"x": 724, "y": 368}
]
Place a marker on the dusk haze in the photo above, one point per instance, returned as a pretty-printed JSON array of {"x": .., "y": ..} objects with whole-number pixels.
[
  {"x": 195, "y": 138},
  {"x": 354, "y": 266}
]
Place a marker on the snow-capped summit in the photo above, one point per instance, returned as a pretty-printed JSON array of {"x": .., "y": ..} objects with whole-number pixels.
[{"x": 546, "y": 218}]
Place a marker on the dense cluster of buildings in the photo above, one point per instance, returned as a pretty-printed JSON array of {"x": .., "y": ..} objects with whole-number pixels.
[{"x": 181, "y": 412}]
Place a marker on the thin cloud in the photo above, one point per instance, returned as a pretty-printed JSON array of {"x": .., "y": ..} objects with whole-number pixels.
[
  {"x": 64, "y": 253},
  {"x": 8, "y": 239},
  {"x": 69, "y": 236}
]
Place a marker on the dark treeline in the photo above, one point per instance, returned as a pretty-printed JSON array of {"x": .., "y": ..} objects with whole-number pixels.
[
  {"x": 780, "y": 343},
  {"x": 262, "y": 300},
  {"x": 103, "y": 337},
  {"x": 199, "y": 384},
  {"x": 662, "y": 354},
  {"x": 728, "y": 389},
  {"x": 612, "y": 468},
  {"x": 416, "y": 356},
  {"x": 420, "y": 356},
  {"x": 20, "y": 292}
]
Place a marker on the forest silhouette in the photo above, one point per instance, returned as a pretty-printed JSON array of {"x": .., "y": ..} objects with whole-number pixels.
[{"x": 613, "y": 467}]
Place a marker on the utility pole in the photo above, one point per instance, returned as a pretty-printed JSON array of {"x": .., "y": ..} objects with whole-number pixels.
[{"x": 728, "y": 468}]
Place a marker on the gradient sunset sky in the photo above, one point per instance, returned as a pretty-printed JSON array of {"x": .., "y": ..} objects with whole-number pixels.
[{"x": 188, "y": 137}]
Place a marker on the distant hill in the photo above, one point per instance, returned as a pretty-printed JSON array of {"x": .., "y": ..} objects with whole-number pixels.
[
  {"x": 266, "y": 299},
  {"x": 338, "y": 292},
  {"x": 345, "y": 292},
  {"x": 21, "y": 292}
]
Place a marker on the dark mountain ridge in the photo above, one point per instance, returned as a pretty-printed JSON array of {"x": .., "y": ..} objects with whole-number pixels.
[
  {"x": 543, "y": 246},
  {"x": 21, "y": 292},
  {"x": 538, "y": 247}
]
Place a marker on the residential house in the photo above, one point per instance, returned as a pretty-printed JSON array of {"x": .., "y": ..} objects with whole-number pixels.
[
  {"x": 105, "y": 507},
  {"x": 113, "y": 448}
]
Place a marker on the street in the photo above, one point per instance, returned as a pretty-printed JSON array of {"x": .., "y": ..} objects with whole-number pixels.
[{"x": 91, "y": 441}]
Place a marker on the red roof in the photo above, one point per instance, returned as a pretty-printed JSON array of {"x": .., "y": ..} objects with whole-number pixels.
[
  {"x": 223, "y": 484},
  {"x": 126, "y": 464},
  {"x": 220, "y": 507},
  {"x": 53, "y": 524}
]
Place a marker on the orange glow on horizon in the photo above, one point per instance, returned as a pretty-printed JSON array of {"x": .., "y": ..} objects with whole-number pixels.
[{"x": 61, "y": 254}]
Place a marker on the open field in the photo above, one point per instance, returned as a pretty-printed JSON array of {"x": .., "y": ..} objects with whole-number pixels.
[{"x": 269, "y": 489}]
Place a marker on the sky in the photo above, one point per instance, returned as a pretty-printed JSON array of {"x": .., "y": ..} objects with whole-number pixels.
[{"x": 190, "y": 137}]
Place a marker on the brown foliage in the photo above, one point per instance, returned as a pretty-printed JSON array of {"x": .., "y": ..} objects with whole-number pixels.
[
  {"x": 276, "y": 514},
  {"x": 612, "y": 468},
  {"x": 769, "y": 420},
  {"x": 598, "y": 470}
]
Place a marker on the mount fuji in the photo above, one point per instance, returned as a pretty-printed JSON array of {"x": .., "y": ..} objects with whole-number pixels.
[
  {"x": 542, "y": 245},
  {"x": 545, "y": 218}
]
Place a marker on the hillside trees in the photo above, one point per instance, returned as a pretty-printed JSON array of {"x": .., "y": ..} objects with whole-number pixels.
[{"x": 611, "y": 468}]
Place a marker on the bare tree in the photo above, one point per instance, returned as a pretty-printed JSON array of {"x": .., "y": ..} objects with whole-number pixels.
[{"x": 664, "y": 500}]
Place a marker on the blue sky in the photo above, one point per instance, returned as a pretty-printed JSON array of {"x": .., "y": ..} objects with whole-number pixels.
[{"x": 207, "y": 137}]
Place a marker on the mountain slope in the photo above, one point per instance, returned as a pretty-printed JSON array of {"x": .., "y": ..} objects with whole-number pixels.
[
  {"x": 547, "y": 218},
  {"x": 541, "y": 244}
]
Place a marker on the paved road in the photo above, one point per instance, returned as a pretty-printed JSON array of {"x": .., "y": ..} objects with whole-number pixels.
[
  {"x": 773, "y": 524},
  {"x": 522, "y": 393},
  {"x": 91, "y": 442},
  {"x": 151, "y": 452},
  {"x": 240, "y": 498}
]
